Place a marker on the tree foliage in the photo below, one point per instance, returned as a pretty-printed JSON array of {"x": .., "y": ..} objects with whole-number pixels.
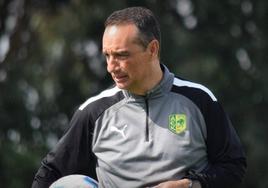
[{"x": 51, "y": 61}]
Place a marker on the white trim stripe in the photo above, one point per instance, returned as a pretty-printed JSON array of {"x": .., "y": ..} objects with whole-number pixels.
[
  {"x": 105, "y": 93},
  {"x": 179, "y": 82}
]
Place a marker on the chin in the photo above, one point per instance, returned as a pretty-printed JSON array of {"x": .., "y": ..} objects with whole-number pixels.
[{"x": 121, "y": 86}]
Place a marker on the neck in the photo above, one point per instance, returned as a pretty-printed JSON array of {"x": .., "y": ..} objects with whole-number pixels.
[{"x": 153, "y": 78}]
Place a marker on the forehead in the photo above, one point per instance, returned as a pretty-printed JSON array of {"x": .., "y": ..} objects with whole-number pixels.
[{"x": 120, "y": 36}]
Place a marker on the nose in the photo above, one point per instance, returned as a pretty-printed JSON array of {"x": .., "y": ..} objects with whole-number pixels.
[{"x": 112, "y": 64}]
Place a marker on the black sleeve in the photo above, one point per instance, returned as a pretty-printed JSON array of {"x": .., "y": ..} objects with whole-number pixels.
[
  {"x": 72, "y": 154},
  {"x": 227, "y": 161}
]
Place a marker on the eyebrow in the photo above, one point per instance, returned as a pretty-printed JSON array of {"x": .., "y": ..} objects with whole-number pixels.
[{"x": 117, "y": 52}]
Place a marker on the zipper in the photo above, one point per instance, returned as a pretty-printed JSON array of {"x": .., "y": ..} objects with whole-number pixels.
[{"x": 147, "y": 120}]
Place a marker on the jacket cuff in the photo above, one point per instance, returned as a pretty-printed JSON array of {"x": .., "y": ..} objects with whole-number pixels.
[{"x": 197, "y": 176}]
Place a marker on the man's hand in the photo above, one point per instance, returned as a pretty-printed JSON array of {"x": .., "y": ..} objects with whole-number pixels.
[{"x": 183, "y": 183}]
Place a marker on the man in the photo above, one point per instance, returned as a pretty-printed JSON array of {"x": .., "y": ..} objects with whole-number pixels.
[{"x": 151, "y": 129}]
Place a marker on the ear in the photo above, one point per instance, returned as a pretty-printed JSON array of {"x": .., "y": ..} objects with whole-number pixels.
[{"x": 153, "y": 48}]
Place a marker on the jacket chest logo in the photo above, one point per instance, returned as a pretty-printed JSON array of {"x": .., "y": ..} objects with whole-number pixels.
[
  {"x": 177, "y": 123},
  {"x": 120, "y": 131}
]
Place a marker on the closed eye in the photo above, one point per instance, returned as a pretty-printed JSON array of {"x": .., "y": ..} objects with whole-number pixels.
[
  {"x": 117, "y": 55},
  {"x": 121, "y": 55}
]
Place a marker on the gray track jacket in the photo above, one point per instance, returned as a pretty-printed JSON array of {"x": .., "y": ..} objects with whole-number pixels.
[{"x": 177, "y": 130}]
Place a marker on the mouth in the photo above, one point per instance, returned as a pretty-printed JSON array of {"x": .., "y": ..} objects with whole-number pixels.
[{"x": 120, "y": 78}]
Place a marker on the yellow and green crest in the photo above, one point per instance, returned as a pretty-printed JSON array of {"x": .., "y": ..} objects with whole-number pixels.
[{"x": 177, "y": 123}]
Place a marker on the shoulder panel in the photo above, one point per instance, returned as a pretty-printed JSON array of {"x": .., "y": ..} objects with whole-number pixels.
[
  {"x": 105, "y": 93},
  {"x": 180, "y": 83},
  {"x": 96, "y": 105}
]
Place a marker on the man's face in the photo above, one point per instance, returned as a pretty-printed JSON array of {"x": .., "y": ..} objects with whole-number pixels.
[{"x": 128, "y": 61}]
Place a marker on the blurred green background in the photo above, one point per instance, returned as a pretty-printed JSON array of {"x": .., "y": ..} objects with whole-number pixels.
[{"x": 51, "y": 62}]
